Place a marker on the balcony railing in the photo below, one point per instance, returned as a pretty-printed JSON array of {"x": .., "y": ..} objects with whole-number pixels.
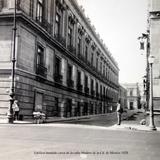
[
  {"x": 70, "y": 83},
  {"x": 79, "y": 87},
  {"x": 60, "y": 39},
  {"x": 58, "y": 78},
  {"x": 41, "y": 70},
  {"x": 44, "y": 23}
]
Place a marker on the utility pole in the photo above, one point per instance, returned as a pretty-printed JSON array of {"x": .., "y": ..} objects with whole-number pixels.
[{"x": 12, "y": 89}]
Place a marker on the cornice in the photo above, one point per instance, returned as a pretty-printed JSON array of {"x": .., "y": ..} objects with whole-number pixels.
[{"x": 84, "y": 18}]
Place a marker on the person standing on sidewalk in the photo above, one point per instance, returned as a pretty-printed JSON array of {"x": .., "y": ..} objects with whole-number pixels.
[
  {"x": 16, "y": 110},
  {"x": 119, "y": 112}
]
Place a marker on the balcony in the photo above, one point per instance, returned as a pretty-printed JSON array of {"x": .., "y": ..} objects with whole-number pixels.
[
  {"x": 44, "y": 23},
  {"x": 86, "y": 89},
  {"x": 79, "y": 87},
  {"x": 41, "y": 70},
  {"x": 70, "y": 83},
  {"x": 58, "y": 78},
  {"x": 60, "y": 39}
]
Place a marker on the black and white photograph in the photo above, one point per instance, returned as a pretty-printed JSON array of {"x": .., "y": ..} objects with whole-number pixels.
[{"x": 79, "y": 79}]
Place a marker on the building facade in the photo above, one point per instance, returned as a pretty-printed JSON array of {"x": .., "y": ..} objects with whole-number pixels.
[
  {"x": 62, "y": 66},
  {"x": 154, "y": 36},
  {"x": 123, "y": 96},
  {"x": 133, "y": 95}
]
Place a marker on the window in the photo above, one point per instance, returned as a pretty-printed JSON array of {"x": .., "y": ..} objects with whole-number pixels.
[
  {"x": 86, "y": 53},
  {"x": 100, "y": 90},
  {"x": 101, "y": 67},
  {"x": 57, "y": 24},
  {"x": 57, "y": 65},
  {"x": 40, "y": 64},
  {"x": 131, "y": 105},
  {"x": 69, "y": 72},
  {"x": 104, "y": 70},
  {"x": 40, "y": 10},
  {"x": 92, "y": 58},
  {"x": 70, "y": 82},
  {"x": 131, "y": 92},
  {"x": 40, "y": 56},
  {"x": 79, "y": 45},
  {"x": 79, "y": 85},
  {"x": 57, "y": 75},
  {"x": 92, "y": 87},
  {"x": 79, "y": 77},
  {"x": 104, "y": 92},
  {"x": 97, "y": 94},
  {"x": 86, "y": 85},
  {"x": 70, "y": 32},
  {"x": 86, "y": 81},
  {"x": 31, "y": 8},
  {"x": 97, "y": 63}
]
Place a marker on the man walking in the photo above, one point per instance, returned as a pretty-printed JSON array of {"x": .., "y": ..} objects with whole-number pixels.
[{"x": 119, "y": 112}]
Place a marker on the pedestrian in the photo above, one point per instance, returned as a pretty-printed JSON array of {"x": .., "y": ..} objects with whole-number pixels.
[
  {"x": 16, "y": 110},
  {"x": 119, "y": 112}
]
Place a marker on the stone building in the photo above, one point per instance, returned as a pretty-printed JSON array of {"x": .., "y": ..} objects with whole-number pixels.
[
  {"x": 133, "y": 95},
  {"x": 62, "y": 66},
  {"x": 123, "y": 96},
  {"x": 154, "y": 37}
]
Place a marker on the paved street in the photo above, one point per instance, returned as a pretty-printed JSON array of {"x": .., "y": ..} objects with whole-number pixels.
[{"x": 75, "y": 142}]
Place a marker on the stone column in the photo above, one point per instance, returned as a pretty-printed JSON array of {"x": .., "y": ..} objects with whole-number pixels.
[
  {"x": 74, "y": 76},
  {"x": 89, "y": 84},
  {"x": 82, "y": 81}
]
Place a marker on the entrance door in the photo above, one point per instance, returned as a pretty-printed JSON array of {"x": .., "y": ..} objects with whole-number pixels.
[
  {"x": 131, "y": 105},
  {"x": 38, "y": 101}
]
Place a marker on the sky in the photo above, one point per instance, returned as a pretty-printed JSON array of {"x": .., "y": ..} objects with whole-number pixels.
[{"x": 120, "y": 23}]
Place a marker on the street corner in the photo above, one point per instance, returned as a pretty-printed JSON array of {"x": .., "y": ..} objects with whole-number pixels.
[{"x": 133, "y": 127}]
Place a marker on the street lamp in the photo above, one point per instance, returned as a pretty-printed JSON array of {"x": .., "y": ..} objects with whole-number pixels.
[
  {"x": 12, "y": 90},
  {"x": 151, "y": 124}
]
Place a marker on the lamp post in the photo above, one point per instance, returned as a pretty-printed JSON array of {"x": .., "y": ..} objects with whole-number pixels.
[
  {"x": 12, "y": 90},
  {"x": 145, "y": 36},
  {"x": 151, "y": 124}
]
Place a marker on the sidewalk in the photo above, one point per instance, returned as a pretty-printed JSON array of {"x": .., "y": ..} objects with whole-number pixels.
[{"x": 58, "y": 119}]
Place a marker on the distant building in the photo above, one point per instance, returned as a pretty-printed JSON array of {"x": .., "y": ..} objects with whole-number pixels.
[
  {"x": 133, "y": 95},
  {"x": 154, "y": 37},
  {"x": 123, "y": 96},
  {"x": 62, "y": 66}
]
